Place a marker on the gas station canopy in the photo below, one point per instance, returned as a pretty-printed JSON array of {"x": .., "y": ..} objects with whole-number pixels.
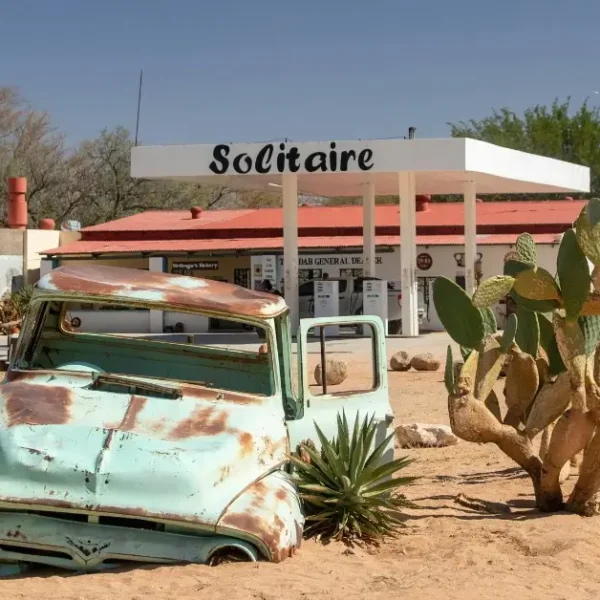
[
  {"x": 366, "y": 168},
  {"x": 340, "y": 168}
]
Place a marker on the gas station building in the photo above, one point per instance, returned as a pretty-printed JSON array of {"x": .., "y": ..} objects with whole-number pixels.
[{"x": 406, "y": 245}]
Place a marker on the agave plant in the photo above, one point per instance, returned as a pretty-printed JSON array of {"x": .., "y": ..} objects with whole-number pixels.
[
  {"x": 21, "y": 299},
  {"x": 347, "y": 491}
]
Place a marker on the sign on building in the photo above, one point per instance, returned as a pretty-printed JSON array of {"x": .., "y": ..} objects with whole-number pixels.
[
  {"x": 189, "y": 267},
  {"x": 263, "y": 267}
]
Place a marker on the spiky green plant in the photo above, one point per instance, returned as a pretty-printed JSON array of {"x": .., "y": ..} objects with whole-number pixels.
[
  {"x": 346, "y": 489},
  {"x": 21, "y": 299}
]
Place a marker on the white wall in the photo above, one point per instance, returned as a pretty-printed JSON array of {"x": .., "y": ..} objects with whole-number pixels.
[
  {"x": 113, "y": 321},
  {"x": 134, "y": 321},
  {"x": 11, "y": 273},
  {"x": 191, "y": 323},
  {"x": 444, "y": 263}
]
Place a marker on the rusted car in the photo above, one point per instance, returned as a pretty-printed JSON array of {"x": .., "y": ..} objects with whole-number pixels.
[{"x": 119, "y": 448}]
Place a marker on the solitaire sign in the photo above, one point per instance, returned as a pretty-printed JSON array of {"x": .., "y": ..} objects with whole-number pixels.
[{"x": 289, "y": 159}]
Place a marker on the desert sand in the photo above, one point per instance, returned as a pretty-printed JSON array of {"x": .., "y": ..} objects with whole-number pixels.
[{"x": 445, "y": 551}]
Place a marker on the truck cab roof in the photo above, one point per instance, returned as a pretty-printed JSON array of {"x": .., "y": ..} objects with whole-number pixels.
[{"x": 119, "y": 284}]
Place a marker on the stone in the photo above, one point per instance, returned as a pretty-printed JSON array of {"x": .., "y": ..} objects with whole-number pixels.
[
  {"x": 337, "y": 371},
  {"x": 425, "y": 362},
  {"x": 400, "y": 361},
  {"x": 420, "y": 435}
]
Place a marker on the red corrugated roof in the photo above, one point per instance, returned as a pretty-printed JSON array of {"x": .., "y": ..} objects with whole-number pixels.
[
  {"x": 549, "y": 212},
  {"x": 275, "y": 243}
]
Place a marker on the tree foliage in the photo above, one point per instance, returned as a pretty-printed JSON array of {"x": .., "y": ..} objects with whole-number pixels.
[
  {"x": 90, "y": 183},
  {"x": 554, "y": 131}
]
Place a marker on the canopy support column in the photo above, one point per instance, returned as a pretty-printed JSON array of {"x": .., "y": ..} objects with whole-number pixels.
[
  {"x": 290, "y": 246},
  {"x": 408, "y": 253},
  {"x": 470, "y": 207},
  {"x": 157, "y": 264},
  {"x": 369, "y": 229}
]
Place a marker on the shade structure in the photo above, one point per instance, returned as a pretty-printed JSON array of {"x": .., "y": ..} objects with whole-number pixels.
[{"x": 366, "y": 168}]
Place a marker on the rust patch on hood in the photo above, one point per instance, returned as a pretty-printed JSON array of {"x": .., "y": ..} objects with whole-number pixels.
[
  {"x": 31, "y": 404},
  {"x": 246, "y": 444},
  {"x": 203, "y": 421},
  {"x": 208, "y": 394},
  {"x": 136, "y": 405}
]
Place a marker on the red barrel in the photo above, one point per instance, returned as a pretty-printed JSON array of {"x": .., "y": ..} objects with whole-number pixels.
[{"x": 17, "y": 204}]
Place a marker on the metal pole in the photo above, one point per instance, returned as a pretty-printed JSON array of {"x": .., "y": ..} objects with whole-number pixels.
[
  {"x": 290, "y": 247},
  {"x": 369, "y": 229},
  {"x": 470, "y": 207},
  {"x": 408, "y": 254},
  {"x": 139, "y": 104}
]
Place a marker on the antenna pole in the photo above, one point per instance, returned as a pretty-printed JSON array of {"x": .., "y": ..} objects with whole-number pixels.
[{"x": 139, "y": 104}]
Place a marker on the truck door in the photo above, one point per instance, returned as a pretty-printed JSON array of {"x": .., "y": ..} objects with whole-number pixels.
[{"x": 365, "y": 394}]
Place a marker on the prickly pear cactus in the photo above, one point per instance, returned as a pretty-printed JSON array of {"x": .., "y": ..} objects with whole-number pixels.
[{"x": 551, "y": 353}]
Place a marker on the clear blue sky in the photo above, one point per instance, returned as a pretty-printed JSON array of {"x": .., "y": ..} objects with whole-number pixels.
[{"x": 243, "y": 70}]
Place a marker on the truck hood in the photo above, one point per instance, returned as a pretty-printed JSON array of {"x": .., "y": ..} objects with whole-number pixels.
[{"x": 63, "y": 445}]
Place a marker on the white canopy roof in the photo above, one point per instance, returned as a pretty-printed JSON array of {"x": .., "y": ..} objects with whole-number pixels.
[{"x": 340, "y": 168}]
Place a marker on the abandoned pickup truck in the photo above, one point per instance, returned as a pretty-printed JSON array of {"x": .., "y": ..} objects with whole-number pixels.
[{"x": 116, "y": 447}]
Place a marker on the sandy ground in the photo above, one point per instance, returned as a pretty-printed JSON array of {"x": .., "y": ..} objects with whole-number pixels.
[{"x": 445, "y": 550}]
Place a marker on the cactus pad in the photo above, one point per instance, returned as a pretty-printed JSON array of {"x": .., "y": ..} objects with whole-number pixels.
[
  {"x": 492, "y": 290},
  {"x": 551, "y": 401},
  {"x": 460, "y": 318},
  {"x": 491, "y": 361},
  {"x": 573, "y": 274},
  {"x": 490, "y": 325},
  {"x": 493, "y": 405},
  {"x": 512, "y": 255},
  {"x": 528, "y": 331},
  {"x": 510, "y": 331},
  {"x": 468, "y": 372},
  {"x": 593, "y": 211},
  {"x": 449, "y": 372},
  {"x": 588, "y": 235},
  {"x": 549, "y": 345},
  {"x": 539, "y": 306},
  {"x": 590, "y": 326},
  {"x": 536, "y": 284},
  {"x": 526, "y": 249},
  {"x": 571, "y": 345},
  {"x": 513, "y": 267},
  {"x": 596, "y": 278},
  {"x": 522, "y": 382}
]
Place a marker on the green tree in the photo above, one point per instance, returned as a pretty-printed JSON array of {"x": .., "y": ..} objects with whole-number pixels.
[{"x": 554, "y": 131}]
